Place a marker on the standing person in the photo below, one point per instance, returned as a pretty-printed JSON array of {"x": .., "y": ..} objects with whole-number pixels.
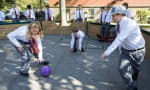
[
  {"x": 131, "y": 44},
  {"x": 127, "y": 10},
  {"x": 14, "y": 13},
  {"x": 2, "y": 17},
  {"x": 48, "y": 14},
  {"x": 77, "y": 35},
  {"x": 105, "y": 20},
  {"x": 27, "y": 39},
  {"x": 29, "y": 13},
  {"x": 79, "y": 14},
  {"x": 100, "y": 20}
]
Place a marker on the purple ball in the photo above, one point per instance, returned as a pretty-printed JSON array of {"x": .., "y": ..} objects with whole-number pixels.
[{"x": 45, "y": 71}]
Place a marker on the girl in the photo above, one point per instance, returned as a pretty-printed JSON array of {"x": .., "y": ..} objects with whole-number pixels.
[{"x": 27, "y": 39}]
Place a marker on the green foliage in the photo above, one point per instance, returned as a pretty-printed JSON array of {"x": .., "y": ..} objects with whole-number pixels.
[
  {"x": 4, "y": 4},
  {"x": 57, "y": 18},
  {"x": 142, "y": 15},
  {"x": 22, "y": 4}
]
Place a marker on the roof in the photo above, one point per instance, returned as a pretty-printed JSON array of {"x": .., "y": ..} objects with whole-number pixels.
[{"x": 99, "y": 3}]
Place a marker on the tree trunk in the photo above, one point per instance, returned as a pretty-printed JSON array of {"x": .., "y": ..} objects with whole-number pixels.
[{"x": 63, "y": 12}]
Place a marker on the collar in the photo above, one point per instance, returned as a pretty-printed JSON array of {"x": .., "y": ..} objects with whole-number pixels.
[{"x": 122, "y": 20}]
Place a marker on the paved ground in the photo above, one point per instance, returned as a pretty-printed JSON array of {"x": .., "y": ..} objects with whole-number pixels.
[{"x": 70, "y": 71}]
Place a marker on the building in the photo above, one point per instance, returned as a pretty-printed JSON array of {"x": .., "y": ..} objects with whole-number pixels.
[{"x": 92, "y": 7}]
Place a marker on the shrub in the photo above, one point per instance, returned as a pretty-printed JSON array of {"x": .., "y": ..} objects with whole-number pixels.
[{"x": 142, "y": 15}]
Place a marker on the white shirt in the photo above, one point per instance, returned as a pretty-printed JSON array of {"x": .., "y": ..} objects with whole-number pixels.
[
  {"x": 129, "y": 37},
  {"x": 80, "y": 36},
  {"x": 21, "y": 34},
  {"x": 50, "y": 14},
  {"x": 12, "y": 13},
  {"x": 77, "y": 16},
  {"x": 128, "y": 13},
  {"x": 2, "y": 16},
  {"x": 106, "y": 17},
  {"x": 101, "y": 17},
  {"x": 27, "y": 13}
]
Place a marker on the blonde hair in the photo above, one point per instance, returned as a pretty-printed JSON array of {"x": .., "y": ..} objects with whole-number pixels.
[{"x": 34, "y": 25}]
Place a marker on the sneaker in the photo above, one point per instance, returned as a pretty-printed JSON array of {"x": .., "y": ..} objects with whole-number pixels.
[
  {"x": 24, "y": 74},
  {"x": 44, "y": 63},
  {"x": 75, "y": 50},
  {"x": 101, "y": 40},
  {"x": 135, "y": 76},
  {"x": 133, "y": 89},
  {"x": 82, "y": 50}
]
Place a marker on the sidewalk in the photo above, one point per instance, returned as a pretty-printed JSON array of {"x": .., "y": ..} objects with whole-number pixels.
[{"x": 70, "y": 71}]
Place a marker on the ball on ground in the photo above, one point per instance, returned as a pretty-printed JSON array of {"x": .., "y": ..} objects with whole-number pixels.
[{"x": 45, "y": 71}]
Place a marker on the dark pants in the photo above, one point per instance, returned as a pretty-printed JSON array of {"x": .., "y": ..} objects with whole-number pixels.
[
  {"x": 16, "y": 20},
  {"x": 104, "y": 30},
  {"x": 79, "y": 20},
  {"x": 30, "y": 19},
  {"x": 130, "y": 64},
  {"x": 25, "y": 57},
  {"x": 114, "y": 31}
]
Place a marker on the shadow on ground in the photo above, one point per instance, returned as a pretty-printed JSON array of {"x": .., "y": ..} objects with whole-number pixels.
[{"x": 70, "y": 71}]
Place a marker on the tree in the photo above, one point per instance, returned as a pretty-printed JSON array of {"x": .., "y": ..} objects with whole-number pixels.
[
  {"x": 142, "y": 15},
  {"x": 63, "y": 12},
  {"x": 4, "y": 4}
]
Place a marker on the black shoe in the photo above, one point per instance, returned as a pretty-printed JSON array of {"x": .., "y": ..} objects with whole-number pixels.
[
  {"x": 134, "y": 89},
  {"x": 44, "y": 63},
  {"x": 24, "y": 74},
  {"x": 101, "y": 40},
  {"x": 75, "y": 50},
  {"x": 82, "y": 50},
  {"x": 135, "y": 76}
]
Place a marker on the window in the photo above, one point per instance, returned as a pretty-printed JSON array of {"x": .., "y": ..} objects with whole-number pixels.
[{"x": 90, "y": 13}]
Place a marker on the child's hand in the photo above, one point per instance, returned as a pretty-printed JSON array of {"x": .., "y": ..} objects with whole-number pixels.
[
  {"x": 40, "y": 60},
  {"x": 102, "y": 57},
  {"x": 20, "y": 48}
]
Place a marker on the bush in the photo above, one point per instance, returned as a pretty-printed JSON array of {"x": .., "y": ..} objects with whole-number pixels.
[
  {"x": 142, "y": 15},
  {"x": 57, "y": 18}
]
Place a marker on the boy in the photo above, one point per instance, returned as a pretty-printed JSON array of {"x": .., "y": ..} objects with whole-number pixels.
[
  {"x": 131, "y": 44},
  {"x": 29, "y": 13},
  {"x": 48, "y": 14},
  {"x": 14, "y": 13},
  {"x": 77, "y": 35},
  {"x": 79, "y": 14}
]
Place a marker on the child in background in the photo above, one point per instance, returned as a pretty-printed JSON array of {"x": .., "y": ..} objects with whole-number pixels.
[{"x": 77, "y": 35}]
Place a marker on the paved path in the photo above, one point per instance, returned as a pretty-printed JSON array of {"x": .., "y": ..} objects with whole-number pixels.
[{"x": 70, "y": 71}]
